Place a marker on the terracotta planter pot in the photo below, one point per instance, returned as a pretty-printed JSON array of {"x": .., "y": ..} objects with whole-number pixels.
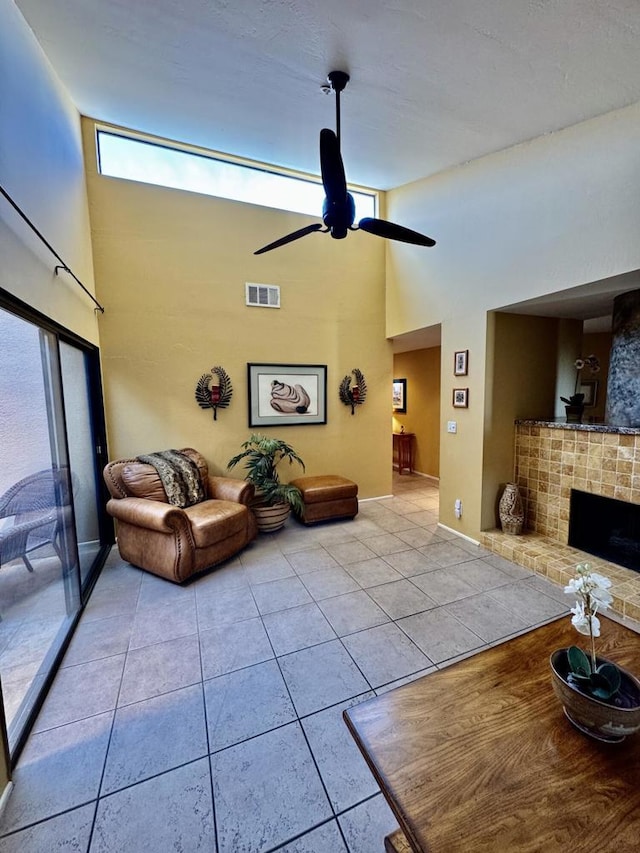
[
  {"x": 595, "y": 717},
  {"x": 270, "y": 518}
]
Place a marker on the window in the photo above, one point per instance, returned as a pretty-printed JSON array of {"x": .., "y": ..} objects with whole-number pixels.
[{"x": 151, "y": 163}]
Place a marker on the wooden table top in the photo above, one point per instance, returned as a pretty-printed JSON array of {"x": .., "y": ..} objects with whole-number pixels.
[{"x": 480, "y": 757}]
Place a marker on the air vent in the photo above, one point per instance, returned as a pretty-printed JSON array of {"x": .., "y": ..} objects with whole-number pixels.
[{"x": 263, "y": 295}]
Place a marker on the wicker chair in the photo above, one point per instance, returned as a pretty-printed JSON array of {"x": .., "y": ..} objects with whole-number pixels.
[{"x": 37, "y": 515}]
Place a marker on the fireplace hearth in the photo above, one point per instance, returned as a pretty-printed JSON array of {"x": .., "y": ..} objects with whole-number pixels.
[
  {"x": 553, "y": 458},
  {"x": 605, "y": 527}
]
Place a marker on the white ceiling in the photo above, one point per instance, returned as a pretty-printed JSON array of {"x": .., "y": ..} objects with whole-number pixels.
[
  {"x": 434, "y": 82},
  {"x": 592, "y": 303}
]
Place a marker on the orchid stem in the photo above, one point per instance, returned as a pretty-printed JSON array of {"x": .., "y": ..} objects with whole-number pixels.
[{"x": 593, "y": 641}]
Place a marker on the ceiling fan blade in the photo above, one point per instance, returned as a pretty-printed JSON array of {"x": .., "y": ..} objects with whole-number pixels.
[
  {"x": 295, "y": 235},
  {"x": 382, "y": 228},
  {"x": 332, "y": 168}
]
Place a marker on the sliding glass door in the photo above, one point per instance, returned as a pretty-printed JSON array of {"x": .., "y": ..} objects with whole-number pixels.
[
  {"x": 52, "y": 533},
  {"x": 82, "y": 445}
]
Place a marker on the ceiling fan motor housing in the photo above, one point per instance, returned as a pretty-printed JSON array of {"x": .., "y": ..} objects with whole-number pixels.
[{"x": 339, "y": 217}]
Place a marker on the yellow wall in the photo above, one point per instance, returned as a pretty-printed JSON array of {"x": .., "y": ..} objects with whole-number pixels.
[
  {"x": 41, "y": 167},
  {"x": 521, "y": 366},
  {"x": 421, "y": 369},
  {"x": 171, "y": 268}
]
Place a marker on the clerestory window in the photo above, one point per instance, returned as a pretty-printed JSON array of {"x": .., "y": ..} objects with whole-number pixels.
[{"x": 121, "y": 156}]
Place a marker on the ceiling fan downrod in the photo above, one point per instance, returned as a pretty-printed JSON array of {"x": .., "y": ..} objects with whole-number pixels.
[{"x": 338, "y": 81}]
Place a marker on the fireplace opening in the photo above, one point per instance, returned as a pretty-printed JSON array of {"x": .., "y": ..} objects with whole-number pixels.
[{"x": 606, "y": 528}]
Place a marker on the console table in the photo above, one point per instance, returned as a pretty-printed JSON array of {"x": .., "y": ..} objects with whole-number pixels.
[
  {"x": 403, "y": 450},
  {"x": 480, "y": 757}
]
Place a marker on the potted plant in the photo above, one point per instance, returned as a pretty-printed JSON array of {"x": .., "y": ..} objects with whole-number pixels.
[
  {"x": 575, "y": 403},
  {"x": 274, "y": 499},
  {"x": 600, "y": 698}
]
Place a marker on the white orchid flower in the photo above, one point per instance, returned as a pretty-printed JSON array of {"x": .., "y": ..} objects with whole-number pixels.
[
  {"x": 591, "y": 591},
  {"x": 584, "y": 623},
  {"x": 602, "y": 598},
  {"x": 580, "y": 620},
  {"x": 574, "y": 586},
  {"x": 592, "y": 588}
]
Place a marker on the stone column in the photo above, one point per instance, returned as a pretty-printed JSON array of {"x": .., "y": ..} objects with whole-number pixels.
[{"x": 623, "y": 384}]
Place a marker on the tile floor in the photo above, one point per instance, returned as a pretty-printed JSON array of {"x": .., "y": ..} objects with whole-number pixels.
[
  {"x": 32, "y": 609},
  {"x": 208, "y": 717}
]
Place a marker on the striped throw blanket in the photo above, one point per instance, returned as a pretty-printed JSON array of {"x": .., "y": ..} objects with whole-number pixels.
[{"x": 179, "y": 474}]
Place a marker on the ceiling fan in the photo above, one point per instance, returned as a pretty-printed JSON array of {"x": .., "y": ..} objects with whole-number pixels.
[{"x": 338, "y": 210}]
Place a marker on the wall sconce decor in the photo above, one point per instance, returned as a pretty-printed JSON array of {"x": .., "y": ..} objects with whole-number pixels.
[
  {"x": 353, "y": 395},
  {"x": 217, "y": 395}
]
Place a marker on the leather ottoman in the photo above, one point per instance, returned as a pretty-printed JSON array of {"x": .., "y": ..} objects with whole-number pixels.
[{"x": 326, "y": 497}]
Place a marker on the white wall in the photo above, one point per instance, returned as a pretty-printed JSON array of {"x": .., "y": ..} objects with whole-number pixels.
[
  {"x": 42, "y": 169},
  {"x": 541, "y": 217}
]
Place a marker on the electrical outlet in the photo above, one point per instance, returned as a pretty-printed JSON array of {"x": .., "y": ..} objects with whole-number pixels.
[
  {"x": 457, "y": 508},
  {"x": 452, "y": 426}
]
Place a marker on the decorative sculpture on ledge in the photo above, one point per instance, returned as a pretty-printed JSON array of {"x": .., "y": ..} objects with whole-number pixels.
[
  {"x": 353, "y": 395},
  {"x": 217, "y": 395}
]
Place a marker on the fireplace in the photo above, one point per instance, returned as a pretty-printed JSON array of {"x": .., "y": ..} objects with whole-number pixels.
[{"x": 606, "y": 528}]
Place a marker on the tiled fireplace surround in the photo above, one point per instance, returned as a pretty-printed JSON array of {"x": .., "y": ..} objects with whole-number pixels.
[{"x": 551, "y": 459}]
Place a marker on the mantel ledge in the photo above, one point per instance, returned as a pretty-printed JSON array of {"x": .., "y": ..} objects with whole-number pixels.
[{"x": 619, "y": 430}]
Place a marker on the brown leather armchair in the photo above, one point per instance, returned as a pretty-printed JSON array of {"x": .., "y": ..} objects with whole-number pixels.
[{"x": 169, "y": 541}]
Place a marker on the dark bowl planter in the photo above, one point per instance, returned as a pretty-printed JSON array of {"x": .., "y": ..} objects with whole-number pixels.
[{"x": 610, "y": 720}]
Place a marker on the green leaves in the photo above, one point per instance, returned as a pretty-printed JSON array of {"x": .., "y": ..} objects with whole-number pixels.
[
  {"x": 603, "y": 683},
  {"x": 579, "y": 663},
  {"x": 261, "y": 456}
]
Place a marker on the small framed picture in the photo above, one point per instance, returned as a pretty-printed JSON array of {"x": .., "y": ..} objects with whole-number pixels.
[
  {"x": 400, "y": 396},
  {"x": 461, "y": 398},
  {"x": 461, "y": 362},
  {"x": 589, "y": 387}
]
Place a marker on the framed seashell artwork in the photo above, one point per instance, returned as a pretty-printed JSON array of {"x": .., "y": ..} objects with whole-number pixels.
[{"x": 287, "y": 394}]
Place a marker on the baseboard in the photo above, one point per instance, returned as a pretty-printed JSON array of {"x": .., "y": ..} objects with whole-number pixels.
[
  {"x": 457, "y": 533},
  {"x": 419, "y": 474},
  {"x": 428, "y": 477},
  {"x": 5, "y": 797},
  {"x": 379, "y": 498}
]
